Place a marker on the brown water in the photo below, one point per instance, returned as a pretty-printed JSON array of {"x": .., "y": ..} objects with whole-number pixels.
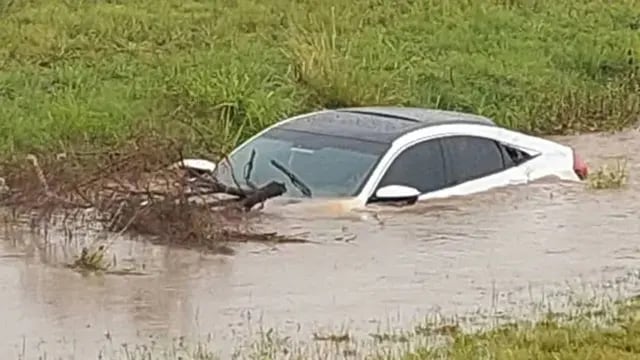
[{"x": 501, "y": 251}]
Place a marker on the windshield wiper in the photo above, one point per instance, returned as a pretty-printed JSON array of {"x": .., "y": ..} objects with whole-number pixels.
[
  {"x": 248, "y": 169},
  {"x": 304, "y": 189}
]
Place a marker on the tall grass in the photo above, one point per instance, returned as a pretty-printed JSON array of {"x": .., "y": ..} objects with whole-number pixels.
[{"x": 90, "y": 73}]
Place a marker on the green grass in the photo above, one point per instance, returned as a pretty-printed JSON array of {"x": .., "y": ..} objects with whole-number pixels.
[
  {"x": 575, "y": 338},
  {"x": 90, "y": 73}
]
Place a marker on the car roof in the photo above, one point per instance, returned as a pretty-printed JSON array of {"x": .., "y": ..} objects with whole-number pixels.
[{"x": 378, "y": 124}]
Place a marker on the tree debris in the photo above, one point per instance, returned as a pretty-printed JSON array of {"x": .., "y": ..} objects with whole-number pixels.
[{"x": 139, "y": 192}]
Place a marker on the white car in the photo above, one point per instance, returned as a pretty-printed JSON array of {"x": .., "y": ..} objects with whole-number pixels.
[{"x": 377, "y": 154}]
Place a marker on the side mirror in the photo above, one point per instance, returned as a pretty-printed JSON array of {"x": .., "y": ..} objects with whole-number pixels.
[
  {"x": 199, "y": 165},
  {"x": 397, "y": 192}
]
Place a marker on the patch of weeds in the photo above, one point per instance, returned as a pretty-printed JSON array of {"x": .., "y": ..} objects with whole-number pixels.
[
  {"x": 335, "y": 338},
  {"x": 177, "y": 350},
  {"x": 390, "y": 337},
  {"x": 444, "y": 329},
  {"x": 326, "y": 67},
  {"x": 270, "y": 345},
  {"x": 609, "y": 177},
  {"x": 585, "y": 110},
  {"x": 92, "y": 260},
  {"x": 317, "y": 66},
  {"x": 579, "y": 336}
]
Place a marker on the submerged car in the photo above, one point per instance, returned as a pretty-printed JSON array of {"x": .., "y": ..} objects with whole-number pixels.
[{"x": 377, "y": 154}]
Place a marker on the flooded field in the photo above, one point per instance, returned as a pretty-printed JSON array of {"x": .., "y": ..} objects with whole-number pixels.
[{"x": 499, "y": 251}]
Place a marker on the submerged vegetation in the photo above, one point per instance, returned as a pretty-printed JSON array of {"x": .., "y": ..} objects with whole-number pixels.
[
  {"x": 609, "y": 177},
  {"x": 86, "y": 74},
  {"x": 91, "y": 260}
]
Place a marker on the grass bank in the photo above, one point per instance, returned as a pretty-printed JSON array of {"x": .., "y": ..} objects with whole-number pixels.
[
  {"x": 91, "y": 73},
  {"x": 587, "y": 336},
  {"x": 595, "y": 333}
]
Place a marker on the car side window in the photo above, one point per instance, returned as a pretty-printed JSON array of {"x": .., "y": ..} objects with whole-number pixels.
[
  {"x": 420, "y": 166},
  {"x": 471, "y": 157}
]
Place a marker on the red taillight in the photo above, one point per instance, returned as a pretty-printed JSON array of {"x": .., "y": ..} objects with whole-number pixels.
[{"x": 580, "y": 167}]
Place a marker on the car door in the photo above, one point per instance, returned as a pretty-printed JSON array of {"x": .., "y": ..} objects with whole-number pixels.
[
  {"x": 420, "y": 166},
  {"x": 475, "y": 164}
]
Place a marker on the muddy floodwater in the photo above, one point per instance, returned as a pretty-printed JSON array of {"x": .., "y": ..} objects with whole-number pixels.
[{"x": 501, "y": 250}]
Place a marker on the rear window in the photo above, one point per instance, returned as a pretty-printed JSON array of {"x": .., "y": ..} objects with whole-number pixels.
[{"x": 470, "y": 157}]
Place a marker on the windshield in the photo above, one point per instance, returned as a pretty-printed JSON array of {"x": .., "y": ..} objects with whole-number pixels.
[{"x": 311, "y": 165}]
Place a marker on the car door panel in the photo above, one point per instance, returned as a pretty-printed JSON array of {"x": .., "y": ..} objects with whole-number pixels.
[
  {"x": 512, "y": 176},
  {"x": 475, "y": 164},
  {"x": 544, "y": 158},
  {"x": 420, "y": 166}
]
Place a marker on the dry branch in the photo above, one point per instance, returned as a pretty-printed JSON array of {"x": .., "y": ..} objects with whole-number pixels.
[{"x": 136, "y": 191}]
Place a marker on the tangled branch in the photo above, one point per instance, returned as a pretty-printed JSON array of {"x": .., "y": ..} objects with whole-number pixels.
[{"x": 136, "y": 191}]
